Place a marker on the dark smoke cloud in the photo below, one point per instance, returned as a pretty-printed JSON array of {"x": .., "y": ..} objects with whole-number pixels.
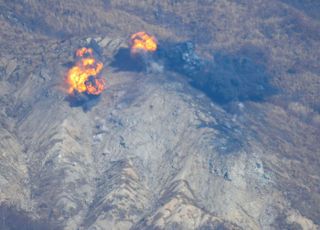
[
  {"x": 83, "y": 100},
  {"x": 226, "y": 77}
]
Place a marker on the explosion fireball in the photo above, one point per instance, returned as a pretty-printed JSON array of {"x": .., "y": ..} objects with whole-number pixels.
[
  {"x": 143, "y": 42},
  {"x": 84, "y": 76}
]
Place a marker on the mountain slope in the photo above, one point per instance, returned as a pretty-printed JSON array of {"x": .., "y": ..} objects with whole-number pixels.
[{"x": 155, "y": 151}]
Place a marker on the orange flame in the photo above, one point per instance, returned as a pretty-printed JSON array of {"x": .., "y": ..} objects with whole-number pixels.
[
  {"x": 81, "y": 52},
  {"x": 143, "y": 42},
  {"x": 83, "y": 77}
]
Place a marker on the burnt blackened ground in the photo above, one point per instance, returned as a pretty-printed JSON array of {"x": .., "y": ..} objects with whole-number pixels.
[
  {"x": 13, "y": 219},
  {"x": 225, "y": 78}
]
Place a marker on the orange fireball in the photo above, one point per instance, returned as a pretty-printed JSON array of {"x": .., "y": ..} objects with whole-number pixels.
[
  {"x": 143, "y": 42},
  {"x": 84, "y": 76}
]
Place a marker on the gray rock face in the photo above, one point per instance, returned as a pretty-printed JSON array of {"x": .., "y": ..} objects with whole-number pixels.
[{"x": 153, "y": 152}]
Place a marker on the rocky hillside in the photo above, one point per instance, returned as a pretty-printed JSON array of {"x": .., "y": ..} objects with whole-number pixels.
[{"x": 219, "y": 129}]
